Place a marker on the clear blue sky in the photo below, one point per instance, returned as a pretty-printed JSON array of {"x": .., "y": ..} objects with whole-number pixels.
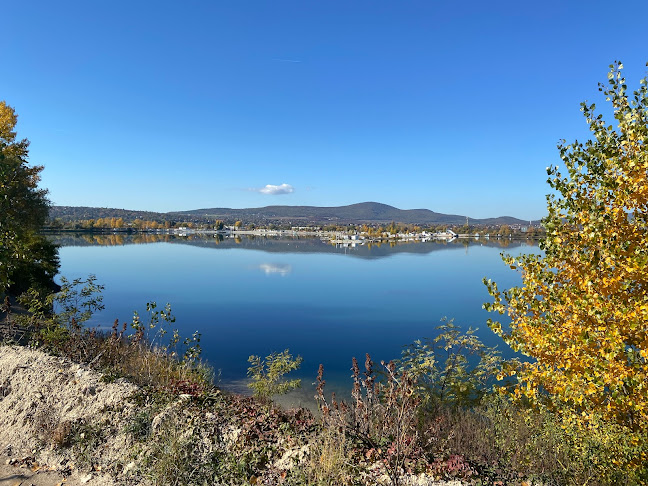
[{"x": 451, "y": 106}]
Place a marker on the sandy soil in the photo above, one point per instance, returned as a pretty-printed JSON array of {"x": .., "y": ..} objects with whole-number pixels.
[{"x": 41, "y": 398}]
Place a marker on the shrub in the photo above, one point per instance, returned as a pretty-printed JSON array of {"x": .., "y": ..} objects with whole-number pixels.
[
  {"x": 453, "y": 369},
  {"x": 381, "y": 420},
  {"x": 268, "y": 374}
]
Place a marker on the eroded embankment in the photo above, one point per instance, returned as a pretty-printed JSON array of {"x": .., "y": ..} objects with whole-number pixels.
[
  {"x": 68, "y": 421},
  {"x": 47, "y": 402}
]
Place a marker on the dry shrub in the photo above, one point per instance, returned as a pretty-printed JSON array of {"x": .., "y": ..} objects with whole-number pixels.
[
  {"x": 61, "y": 435},
  {"x": 331, "y": 459},
  {"x": 381, "y": 421},
  {"x": 45, "y": 423}
]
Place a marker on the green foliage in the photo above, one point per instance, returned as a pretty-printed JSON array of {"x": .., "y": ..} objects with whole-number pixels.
[
  {"x": 453, "y": 369},
  {"x": 57, "y": 317},
  {"x": 77, "y": 300},
  {"x": 153, "y": 335},
  {"x": 38, "y": 304},
  {"x": 153, "y": 331},
  {"x": 26, "y": 258},
  {"x": 86, "y": 440},
  {"x": 268, "y": 374},
  {"x": 139, "y": 425},
  {"x": 148, "y": 352}
]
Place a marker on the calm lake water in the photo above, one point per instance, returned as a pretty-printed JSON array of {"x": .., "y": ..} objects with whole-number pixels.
[{"x": 327, "y": 304}]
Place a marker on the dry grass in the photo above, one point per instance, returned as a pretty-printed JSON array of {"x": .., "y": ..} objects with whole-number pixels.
[{"x": 331, "y": 459}]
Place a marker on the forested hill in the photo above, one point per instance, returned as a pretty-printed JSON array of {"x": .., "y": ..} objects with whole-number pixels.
[
  {"x": 77, "y": 213},
  {"x": 367, "y": 212}
]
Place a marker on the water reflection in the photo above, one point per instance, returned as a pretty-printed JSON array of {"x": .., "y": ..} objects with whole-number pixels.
[
  {"x": 285, "y": 244},
  {"x": 282, "y": 269}
]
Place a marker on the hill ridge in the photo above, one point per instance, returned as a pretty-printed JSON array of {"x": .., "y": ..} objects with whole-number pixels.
[{"x": 363, "y": 212}]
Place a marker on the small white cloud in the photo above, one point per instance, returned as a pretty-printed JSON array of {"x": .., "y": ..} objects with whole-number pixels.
[{"x": 273, "y": 190}]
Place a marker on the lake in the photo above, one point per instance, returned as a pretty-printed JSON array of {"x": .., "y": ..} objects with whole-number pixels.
[{"x": 325, "y": 303}]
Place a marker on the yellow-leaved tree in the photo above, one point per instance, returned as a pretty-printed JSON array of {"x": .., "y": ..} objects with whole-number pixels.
[{"x": 581, "y": 313}]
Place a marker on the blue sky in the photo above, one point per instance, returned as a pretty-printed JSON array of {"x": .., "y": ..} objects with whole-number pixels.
[{"x": 451, "y": 106}]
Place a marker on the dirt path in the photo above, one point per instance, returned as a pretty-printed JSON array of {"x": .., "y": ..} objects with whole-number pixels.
[
  {"x": 14, "y": 472},
  {"x": 17, "y": 471}
]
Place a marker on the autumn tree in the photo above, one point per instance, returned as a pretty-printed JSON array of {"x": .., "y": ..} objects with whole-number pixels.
[
  {"x": 26, "y": 257},
  {"x": 581, "y": 313}
]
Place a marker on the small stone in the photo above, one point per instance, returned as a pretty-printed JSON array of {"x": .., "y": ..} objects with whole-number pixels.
[{"x": 86, "y": 479}]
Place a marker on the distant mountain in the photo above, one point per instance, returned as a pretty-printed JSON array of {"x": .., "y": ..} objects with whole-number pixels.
[{"x": 366, "y": 212}]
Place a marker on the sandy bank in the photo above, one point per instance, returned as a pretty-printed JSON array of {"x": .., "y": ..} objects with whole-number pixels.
[{"x": 42, "y": 400}]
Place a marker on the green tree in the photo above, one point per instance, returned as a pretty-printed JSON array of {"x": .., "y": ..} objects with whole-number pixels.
[
  {"x": 267, "y": 374},
  {"x": 581, "y": 313},
  {"x": 26, "y": 258},
  {"x": 453, "y": 369}
]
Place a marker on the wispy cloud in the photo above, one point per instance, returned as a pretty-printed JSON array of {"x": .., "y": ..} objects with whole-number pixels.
[
  {"x": 287, "y": 60},
  {"x": 273, "y": 190}
]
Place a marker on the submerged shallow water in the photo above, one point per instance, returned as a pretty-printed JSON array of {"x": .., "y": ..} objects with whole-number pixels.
[{"x": 325, "y": 303}]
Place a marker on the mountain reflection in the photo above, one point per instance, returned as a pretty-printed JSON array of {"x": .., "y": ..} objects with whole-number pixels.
[{"x": 284, "y": 244}]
